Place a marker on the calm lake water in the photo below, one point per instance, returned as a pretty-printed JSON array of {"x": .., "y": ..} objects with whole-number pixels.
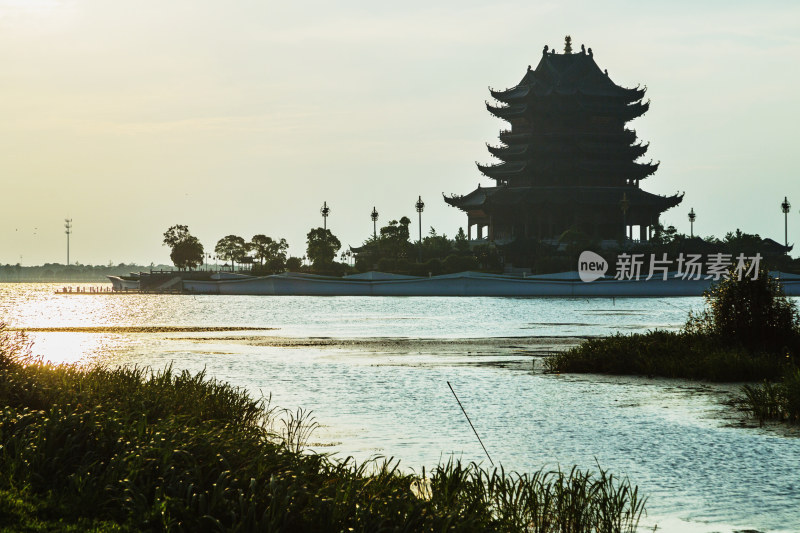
[{"x": 376, "y": 389}]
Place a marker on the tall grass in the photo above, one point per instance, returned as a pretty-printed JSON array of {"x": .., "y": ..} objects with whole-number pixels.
[
  {"x": 775, "y": 401},
  {"x": 130, "y": 449},
  {"x": 668, "y": 354}
]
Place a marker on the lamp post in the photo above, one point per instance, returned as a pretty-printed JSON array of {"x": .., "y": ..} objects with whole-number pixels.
[
  {"x": 420, "y": 205},
  {"x": 325, "y": 211},
  {"x": 68, "y": 231},
  {"x": 623, "y": 205},
  {"x": 374, "y": 217},
  {"x": 692, "y": 216},
  {"x": 785, "y": 207}
]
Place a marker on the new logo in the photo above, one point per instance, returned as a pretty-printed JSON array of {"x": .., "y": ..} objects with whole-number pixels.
[{"x": 591, "y": 266}]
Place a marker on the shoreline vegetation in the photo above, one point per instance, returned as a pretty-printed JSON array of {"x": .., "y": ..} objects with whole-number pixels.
[
  {"x": 73, "y": 273},
  {"x": 131, "y": 449},
  {"x": 749, "y": 331}
]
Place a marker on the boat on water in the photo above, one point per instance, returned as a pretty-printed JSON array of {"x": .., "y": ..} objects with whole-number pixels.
[
  {"x": 125, "y": 283},
  {"x": 565, "y": 284}
]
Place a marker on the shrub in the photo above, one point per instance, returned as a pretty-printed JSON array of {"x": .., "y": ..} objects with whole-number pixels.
[
  {"x": 386, "y": 264},
  {"x": 460, "y": 263},
  {"x": 753, "y": 313},
  {"x": 293, "y": 264}
]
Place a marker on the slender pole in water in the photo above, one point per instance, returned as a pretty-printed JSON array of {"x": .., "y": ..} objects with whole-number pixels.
[{"x": 470, "y": 423}]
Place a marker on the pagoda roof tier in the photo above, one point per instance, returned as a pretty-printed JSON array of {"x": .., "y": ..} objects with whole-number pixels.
[
  {"x": 593, "y": 169},
  {"x": 507, "y": 112},
  {"x": 538, "y": 109},
  {"x": 567, "y": 74},
  {"x": 502, "y": 171},
  {"x": 626, "y": 169},
  {"x": 514, "y": 152},
  {"x": 538, "y": 196},
  {"x": 471, "y": 201},
  {"x": 569, "y": 149},
  {"x": 525, "y": 93}
]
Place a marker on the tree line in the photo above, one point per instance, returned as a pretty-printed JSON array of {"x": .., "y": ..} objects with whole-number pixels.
[
  {"x": 391, "y": 250},
  {"x": 261, "y": 253}
]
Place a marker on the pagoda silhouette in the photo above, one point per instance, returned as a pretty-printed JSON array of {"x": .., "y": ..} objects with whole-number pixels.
[{"x": 568, "y": 161}]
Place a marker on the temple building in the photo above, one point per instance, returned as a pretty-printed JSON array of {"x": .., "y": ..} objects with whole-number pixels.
[{"x": 567, "y": 159}]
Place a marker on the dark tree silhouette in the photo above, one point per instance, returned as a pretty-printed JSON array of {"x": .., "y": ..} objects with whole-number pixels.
[
  {"x": 187, "y": 252},
  {"x": 231, "y": 248},
  {"x": 322, "y": 246},
  {"x": 269, "y": 252}
]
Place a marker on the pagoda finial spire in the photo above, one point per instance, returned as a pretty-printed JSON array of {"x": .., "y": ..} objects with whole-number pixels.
[{"x": 567, "y": 44}]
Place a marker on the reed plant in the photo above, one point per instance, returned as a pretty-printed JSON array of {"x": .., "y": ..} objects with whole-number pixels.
[
  {"x": 130, "y": 449},
  {"x": 774, "y": 401}
]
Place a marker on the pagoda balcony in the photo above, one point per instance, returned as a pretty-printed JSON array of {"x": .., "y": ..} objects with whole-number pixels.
[
  {"x": 571, "y": 148},
  {"x": 612, "y": 150},
  {"x": 628, "y": 170},
  {"x": 625, "y": 137},
  {"x": 512, "y": 137}
]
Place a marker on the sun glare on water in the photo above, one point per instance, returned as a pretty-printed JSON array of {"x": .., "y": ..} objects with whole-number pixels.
[
  {"x": 49, "y": 320},
  {"x": 72, "y": 348}
]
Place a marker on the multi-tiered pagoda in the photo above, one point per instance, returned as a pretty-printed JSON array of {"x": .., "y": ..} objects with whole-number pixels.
[{"x": 567, "y": 160}]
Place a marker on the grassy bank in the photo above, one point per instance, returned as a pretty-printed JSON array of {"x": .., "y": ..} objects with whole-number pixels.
[
  {"x": 775, "y": 401},
  {"x": 667, "y": 354},
  {"x": 132, "y": 450},
  {"x": 749, "y": 331}
]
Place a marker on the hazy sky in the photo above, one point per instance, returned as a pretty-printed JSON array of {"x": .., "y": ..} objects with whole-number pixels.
[{"x": 242, "y": 117}]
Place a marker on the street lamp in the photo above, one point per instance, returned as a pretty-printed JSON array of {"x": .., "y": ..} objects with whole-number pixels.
[
  {"x": 68, "y": 231},
  {"x": 623, "y": 205},
  {"x": 692, "y": 216},
  {"x": 325, "y": 211},
  {"x": 785, "y": 207},
  {"x": 374, "y": 217},
  {"x": 420, "y": 205}
]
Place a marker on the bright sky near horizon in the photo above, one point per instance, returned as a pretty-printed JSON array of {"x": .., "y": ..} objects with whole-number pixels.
[{"x": 243, "y": 117}]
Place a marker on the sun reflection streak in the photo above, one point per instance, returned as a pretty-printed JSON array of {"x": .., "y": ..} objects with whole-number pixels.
[{"x": 81, "y": 349}]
